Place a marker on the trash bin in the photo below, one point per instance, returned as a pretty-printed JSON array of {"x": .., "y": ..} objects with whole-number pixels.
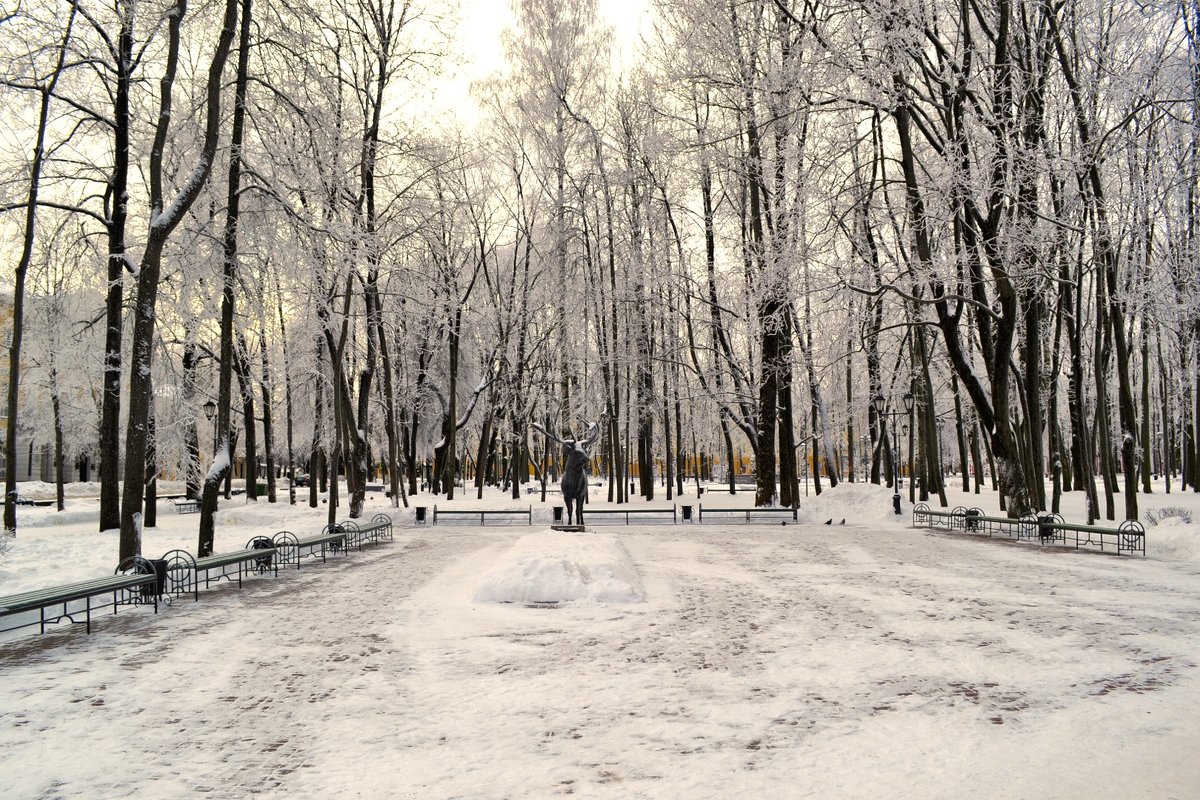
[
  {"x": 896, "y": 503},
  {"x": 687, "y": 513},
  {"x": 420, "y": 514},
  {"x": 159, "y": 566},
  {"x": 263, "y": 562},
  {"x": 139, "y": 565},
  {"x": 699, "y": 491},
  {"x": 558, "y": 515},
  {"x": 1045, "y": 533}
]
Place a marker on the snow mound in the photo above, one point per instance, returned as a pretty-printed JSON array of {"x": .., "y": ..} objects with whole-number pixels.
[
  {"x": 858, "y": 504},
  {"x": 562, "y": 568},
  {"x": 1173, "y": 539}
]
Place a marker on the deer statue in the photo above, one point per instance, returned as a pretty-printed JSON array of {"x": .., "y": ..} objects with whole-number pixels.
[{"x": 577, "y": 453}]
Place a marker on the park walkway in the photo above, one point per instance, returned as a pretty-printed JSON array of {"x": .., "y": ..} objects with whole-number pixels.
[{"x": 788, "y": 660}]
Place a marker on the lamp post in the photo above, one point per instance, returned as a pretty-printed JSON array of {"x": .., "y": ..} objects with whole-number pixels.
[
  {"x": 912, "y": 450},
  {"x": 882, "y": 410},
  {"x": 210, "y": 411},
  {"x": 941, "y": 423},
  {"x": 802, "y": 448},
  {"x": 815, "y": 465}
]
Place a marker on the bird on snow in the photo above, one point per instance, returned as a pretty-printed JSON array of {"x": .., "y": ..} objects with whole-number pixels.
[
  {"x": 829, "y": 521},
  {"x": 843, "y": 522}
]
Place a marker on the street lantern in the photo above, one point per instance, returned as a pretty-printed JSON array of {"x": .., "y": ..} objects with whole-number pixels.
[
  {"x": 941, "y": 424},
  {"x": 210, "y": 410},
  {"x": 881, "y": 409},
  {"x": 909, "y": 431}
]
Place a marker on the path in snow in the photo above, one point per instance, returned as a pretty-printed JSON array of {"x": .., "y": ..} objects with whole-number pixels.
[{"x": 791, "y": 660}]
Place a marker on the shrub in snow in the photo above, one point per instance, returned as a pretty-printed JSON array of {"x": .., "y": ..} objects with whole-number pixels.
[{"x": 1154, "y": 516}]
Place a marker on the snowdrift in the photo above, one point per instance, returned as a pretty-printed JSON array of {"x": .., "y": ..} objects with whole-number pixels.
[
  {"x": 858, "y": 504},
  {"x": 561, "y": 568}
]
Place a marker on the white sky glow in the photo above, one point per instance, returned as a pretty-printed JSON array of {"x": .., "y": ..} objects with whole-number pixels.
[{"x": 480, "y": 53}]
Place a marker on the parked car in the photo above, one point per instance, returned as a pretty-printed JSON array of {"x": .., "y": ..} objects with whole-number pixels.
[{"x": 300, "y": 480}]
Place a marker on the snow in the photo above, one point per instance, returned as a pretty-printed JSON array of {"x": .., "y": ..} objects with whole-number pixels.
[
  {"x": 563, "y": 568},
  {"x": 220, "y": 464},
  {"x": 864, "y": 660}
]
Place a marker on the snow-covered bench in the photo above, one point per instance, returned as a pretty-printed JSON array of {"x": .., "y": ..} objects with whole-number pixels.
[
  {"x": 619, "y": 515},
  {"x": 749, "y": 514},
  {"x": 1128, "y": 537},
  {"x": 183, "y": 570},
  {"x": 509, "y": 516},
  {"x": 291, "y": 548},
  {"x": 69, "y": 601},
  {"x": 360, "y": 532}
]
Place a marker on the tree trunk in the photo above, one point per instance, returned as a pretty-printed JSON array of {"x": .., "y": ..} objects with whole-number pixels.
[
  {"x": 241, "y": 368},
  {"x": 668, "y": 459},
  {"x": 12, "y": 401},
  {"x": 789, "y": 481},
  {"x": 150, "y": 519},
  {"x": 56, "y": 408},
  {"x": 316, "y": 458},
  {"x": 117, "y": 195},
  {"x": 191, "y": 435},
  {"x": 287, "y": 395},
  {"x": 223, "y": 457},
  {"x": 960, "y": 431},
  {"x": 268, "y": 429}
]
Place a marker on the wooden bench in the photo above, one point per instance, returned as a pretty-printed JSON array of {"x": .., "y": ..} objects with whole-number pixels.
[
  {"x": 186, "y": 506},
  {"x": 291, "y": 549},
  {"x": 71, "y": 600},
  {"x": 1129, "y": 537},
  {"x": 617, "y": 514},
  {"x": 509, "y": 516},
  {"x": 750, "y": 514},
  {"x": 25, "y": 501},
  {"x": 359, "y": 532},
  {"x": 183, "y": 570},
  {"x": 537, "y": 489},
  {"x": 971, "y": 520},
  {"x": 924, "y": 515}
]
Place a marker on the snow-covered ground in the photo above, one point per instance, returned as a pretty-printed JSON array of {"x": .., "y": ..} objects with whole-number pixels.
[{"x": 864, "y": 660}]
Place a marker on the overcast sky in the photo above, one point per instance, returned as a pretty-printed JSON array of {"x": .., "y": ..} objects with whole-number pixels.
[{"x": 481, "y": 24}]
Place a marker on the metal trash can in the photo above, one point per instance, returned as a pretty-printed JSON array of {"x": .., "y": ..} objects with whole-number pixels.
[
  {"x": 159, "y": 565},
  {"x": 1045, "y": 533},
  {"x": 420, "y": 511},
  {"x": 687, "y": 513},
  {"x": 263, "y": 562},
  {"x": 558, "y": 515}
]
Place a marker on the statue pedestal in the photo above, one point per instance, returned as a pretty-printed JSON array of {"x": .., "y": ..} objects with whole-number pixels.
[{"x": 569, "y": 528}]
